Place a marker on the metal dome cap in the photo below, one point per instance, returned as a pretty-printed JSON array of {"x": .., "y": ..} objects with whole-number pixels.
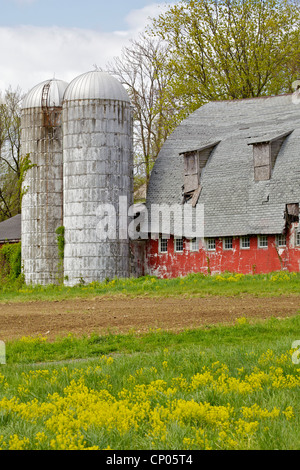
[
  {"x": 96, "y": 85},
  {"x": 48, "y": 93}
]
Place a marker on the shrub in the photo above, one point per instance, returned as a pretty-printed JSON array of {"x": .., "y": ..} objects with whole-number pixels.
[{"x": 10, "y": 262}]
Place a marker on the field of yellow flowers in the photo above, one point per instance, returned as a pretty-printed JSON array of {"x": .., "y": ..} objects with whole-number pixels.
[
  {"x": 216, "y": 388},
  {"x": 194, "y": 397}
]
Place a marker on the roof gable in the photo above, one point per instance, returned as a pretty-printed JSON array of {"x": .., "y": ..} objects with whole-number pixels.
[{"x": 234, "y": 203}]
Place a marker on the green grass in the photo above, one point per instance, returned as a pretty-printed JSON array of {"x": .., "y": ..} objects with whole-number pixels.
[
  {"x": 227, "y": 284},
  {"x": 242, "y": 333},
  {"x": 160, "y": 390},
  {"x": 233, "y": 386}
]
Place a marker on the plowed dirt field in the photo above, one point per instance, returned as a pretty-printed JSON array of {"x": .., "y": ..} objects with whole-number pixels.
[{"x": 114, "y": 314}]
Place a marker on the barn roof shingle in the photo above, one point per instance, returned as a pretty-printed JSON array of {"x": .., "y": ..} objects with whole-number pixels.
[
  {"x": 235, "y": 204},
  {"x": 10, "y": 229}
]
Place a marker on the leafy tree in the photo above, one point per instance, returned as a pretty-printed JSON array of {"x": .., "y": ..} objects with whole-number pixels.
[{"x": 229, "y": 49}]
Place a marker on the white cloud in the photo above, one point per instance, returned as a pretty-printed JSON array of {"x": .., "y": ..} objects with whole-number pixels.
[
  {"x": 137, "y": 19},
  {"x": 31, "y": 54}
]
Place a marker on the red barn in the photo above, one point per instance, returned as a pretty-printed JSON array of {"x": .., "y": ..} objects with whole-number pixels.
[{"x": 236, "y": 166}]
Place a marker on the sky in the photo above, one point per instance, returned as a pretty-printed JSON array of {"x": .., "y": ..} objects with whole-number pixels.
[{"x": 43, "y": 39}]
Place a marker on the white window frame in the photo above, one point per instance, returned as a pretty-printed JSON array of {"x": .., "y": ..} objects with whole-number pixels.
[
  {"x": 165, "y": 240},
  {"x": 194, "y": 244},
  {"x": 297, "y": 239},
  {"x": 261, "y": 241},
  {"x": 208, "y": 243},
  {"x": 281, "y": 241},
  {"x": 179, "y": 240},
  {"x": 242, "y": 243},
  {"x": 225, "y": 240}
]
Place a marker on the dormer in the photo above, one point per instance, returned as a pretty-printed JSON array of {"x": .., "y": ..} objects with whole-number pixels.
[
  {"x": 265, "y": 151},
  {"x": 193, "y": 162}
]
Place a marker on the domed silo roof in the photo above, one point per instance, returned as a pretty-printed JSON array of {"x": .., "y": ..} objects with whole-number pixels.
[
  {"x": 53, "y": 97},
  {"x": 96, "y": 85}
]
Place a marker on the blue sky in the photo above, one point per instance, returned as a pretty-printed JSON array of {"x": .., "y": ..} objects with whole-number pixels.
[
  {"x": 92, "y": 14},
  {"x": 40, "y": 39}
]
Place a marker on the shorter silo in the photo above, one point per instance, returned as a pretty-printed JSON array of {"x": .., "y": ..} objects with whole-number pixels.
[
  {"x": 42, "y": 201},
  {"x": 98, "y": 174}
]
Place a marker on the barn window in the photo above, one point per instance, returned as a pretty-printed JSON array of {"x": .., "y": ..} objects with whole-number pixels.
[
  {"x": 193, "y": 162},
  {"x": 263, "y": 241},
  {"x": 292, "y": 213},
  {"x": 298, "y": 238},
  {"x": 163, "y": 245},
  {"x": 262, "y": 158},
  {"x": 281, "y": 240},
  {"x": 265, "y": 152},
  {"x": 211, "y": 244},
  {"x": 245, "y": 243},
  {"x": 178, "y": 244},
  {"x": 194, "y": 244},
  {"x": 227, "y": 243}
]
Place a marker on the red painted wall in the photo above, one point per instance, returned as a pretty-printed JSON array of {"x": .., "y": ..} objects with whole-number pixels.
[{"x": 247, "y": 261}]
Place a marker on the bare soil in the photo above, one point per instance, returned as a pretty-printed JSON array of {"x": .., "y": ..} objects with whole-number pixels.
[{"x": 114, "y": 314}]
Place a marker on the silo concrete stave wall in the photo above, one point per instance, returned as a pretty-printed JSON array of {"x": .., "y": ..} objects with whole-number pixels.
[
  {"x": 97, "y": 170},
  {"x": 42, "y": 201}
]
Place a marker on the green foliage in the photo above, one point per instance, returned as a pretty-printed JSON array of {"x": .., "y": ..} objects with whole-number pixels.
[
  {"x": 60, "y": 231},
  {"x": 25, "y": 165},
  {"x": 193, "y": 285},
  {"x": 228, "y": 387},
  {"x": 10, "y": 262},
  {"x": 258, "y": 335},
  {"x": 230, "y": 49}
]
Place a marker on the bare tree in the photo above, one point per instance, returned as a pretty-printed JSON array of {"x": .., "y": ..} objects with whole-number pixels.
[
  {"x": 139, "y": 70},
  {"x": 10, "y": 154}
]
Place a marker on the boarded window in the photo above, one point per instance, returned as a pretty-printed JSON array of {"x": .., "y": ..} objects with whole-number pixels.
[
  {"x": 265, "y": 152},
  {"x": 191, "y": 172},
  {"x": 292, "y": 213},
  {"x": 262, "y": 162},
  {"x": 193, "y": 162}
]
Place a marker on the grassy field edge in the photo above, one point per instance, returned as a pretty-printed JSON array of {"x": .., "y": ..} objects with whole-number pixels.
[{"x": 243, "y": 332}]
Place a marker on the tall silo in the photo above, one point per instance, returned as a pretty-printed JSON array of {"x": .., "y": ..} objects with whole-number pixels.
[
  {"x": 42, "y": 202},
  {"x": 98, "y": 171}
]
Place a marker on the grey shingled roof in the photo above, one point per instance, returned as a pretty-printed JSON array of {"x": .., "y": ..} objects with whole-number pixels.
[
  {"x": 234, "y": 203},
  {"x": 10, "y": 229}
]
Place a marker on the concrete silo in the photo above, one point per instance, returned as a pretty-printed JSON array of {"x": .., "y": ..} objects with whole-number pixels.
[
  {"x": 42, "y": 202},
  {"x": 98, "y": 171}
]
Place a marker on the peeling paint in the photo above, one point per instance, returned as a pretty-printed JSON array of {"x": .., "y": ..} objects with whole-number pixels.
[{"x": 252, "y": 260}]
